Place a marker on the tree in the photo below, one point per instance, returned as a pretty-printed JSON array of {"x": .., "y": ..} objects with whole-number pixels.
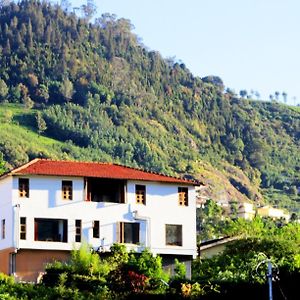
[
  {"x": 41, "y": 124},
  {"x": 7, "y": 48},
  {"x": 239, "y": 261},
  {"x": 2, "y": 164},
  {"x": 295, "y": 100},
  {"x": 215, "y": 80},
  {"x": 66, "y": 89},
  {"x": 43, "y": 93},
  {"x": 257, "y": 95},
  {"x": 243, "y": 93},
  {"x": 277, "y": 94},
  {"x": 210, "y": 220},
  {"x": 284, "y": 96},
  {"x": 32, "y": 80},
  {"x": 29, "y": 38},
  {"x": 89, "y": 9},
  {"x": 3, "y": 89},
  {"x": 28, "y": 102}
]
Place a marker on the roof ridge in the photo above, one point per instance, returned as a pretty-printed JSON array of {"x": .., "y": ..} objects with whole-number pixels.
[{"x": 79, "y": 161}]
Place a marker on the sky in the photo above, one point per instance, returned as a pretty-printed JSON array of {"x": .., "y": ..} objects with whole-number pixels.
[{"x": 250, "y": 44}]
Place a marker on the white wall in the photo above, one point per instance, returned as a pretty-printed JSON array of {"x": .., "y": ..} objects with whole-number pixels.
[
  {"x": 6, "y": 212},
  {"x": 161, "y": 208}
]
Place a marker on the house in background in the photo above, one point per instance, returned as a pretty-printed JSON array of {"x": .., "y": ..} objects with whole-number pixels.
[
  {"x": 272, "y": 212},
  {"x": 210, "y": 248},
  {"x": 48, "y": 207},
  {"x": 245, "y": 210}
]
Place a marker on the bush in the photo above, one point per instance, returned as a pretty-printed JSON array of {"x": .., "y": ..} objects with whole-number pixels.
[{"x": 5, "y": 279}]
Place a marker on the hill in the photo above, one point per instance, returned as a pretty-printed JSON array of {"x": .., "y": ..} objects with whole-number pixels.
[{"x": 99, "y": 94}]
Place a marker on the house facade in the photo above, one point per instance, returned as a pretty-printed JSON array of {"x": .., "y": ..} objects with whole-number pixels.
[
  {"x": 272, "y": 212},
  {"x": 47, "y": 208},
  {"x": 246, "y": 211}
]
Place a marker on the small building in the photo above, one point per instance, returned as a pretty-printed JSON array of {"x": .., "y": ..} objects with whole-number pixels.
[
  {"x": 214, "y": 247},
  {"x": 246, "y": 211},
  {"x": 49, "y": 207},
  {"x": 272, "y": 212}
]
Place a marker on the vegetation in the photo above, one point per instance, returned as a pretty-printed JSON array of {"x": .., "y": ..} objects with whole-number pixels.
[
  {"x": 118, "y": 275},
  {"x": 96, "y": 90},
  {"x": 242, "y": 267}
]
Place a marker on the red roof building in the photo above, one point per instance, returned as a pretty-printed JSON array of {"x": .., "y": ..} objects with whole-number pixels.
[{"x": 48, "y": 207}]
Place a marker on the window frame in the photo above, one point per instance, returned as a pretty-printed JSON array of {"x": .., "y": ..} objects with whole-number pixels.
[
  {"x": 183, "y": 196},
  {"x": 140, "y": 194},
  {"x": 78, "y": 231},
  {"x": 135, "y": 233},
  {"x": 96, "y": 229},
  {"x": 178, "y": 242},
  {"x": 3, "y": 229},
  {"x": 23, "y": 187},
  {"x": 23, "y": 227},
  {"x": 59, "y": 236},
  {"x": 67, "y": 189}
]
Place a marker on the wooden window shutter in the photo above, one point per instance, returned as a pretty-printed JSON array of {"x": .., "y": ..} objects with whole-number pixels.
[
  {"x": 140, "y": 194},
  {"x": 120, "y": 232},
  {"x": 183, "y": 196},
  {"x": 67, "y": 190}
]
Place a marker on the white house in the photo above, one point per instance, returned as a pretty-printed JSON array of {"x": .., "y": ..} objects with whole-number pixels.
[
  {"x": 272, "y": 212},
  {"x": 49, "y": 207}
]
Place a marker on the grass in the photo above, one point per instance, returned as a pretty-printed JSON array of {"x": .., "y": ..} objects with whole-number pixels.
[{"x": 19, "y": 138}]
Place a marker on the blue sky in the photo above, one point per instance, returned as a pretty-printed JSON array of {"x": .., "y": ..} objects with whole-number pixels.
[{"x": 250, "y": 44}]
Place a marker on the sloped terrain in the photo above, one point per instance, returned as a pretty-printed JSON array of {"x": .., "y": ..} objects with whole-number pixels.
[{"x": 101, "y": 95}]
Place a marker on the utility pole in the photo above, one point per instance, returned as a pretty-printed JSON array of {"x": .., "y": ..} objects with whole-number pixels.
[
  {"x": 267, "y": 261},
  {"x": 269, "y": 276}
]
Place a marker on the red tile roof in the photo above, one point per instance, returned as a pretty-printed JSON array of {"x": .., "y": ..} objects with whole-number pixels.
[{"x": 92, "y": 169}]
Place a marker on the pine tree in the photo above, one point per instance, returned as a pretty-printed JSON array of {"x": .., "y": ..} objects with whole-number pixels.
[{"x": 41, "y": 124}]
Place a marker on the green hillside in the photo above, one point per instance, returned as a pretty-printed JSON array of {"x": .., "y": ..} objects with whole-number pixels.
[{"x": 99, "y": 94}]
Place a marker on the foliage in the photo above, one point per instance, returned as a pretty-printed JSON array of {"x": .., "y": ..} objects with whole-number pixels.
[
  {"x": 141, "y": 273},
  {"x": 180, "y": 270},
  {"x": 103, "y": 93},
  {"x": 196, "y": 290},
  {"x": 119, "y": 272},
  {"x": 5, "y": 279},
  {"x": 211, "y": 221},
  {"x": 41, "y": 124},
  {"x": 280, "y": 243},
  {"x": 2, "y": 164},
  {"x": 3, "y": 89}
]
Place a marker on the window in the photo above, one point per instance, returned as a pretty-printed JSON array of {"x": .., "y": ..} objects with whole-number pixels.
[
  {"x": 129, "y": 233},
  {"x": 12, "y": 263},
  {"x": 96, "y": 229},
  {"x": 173, "y": 235},
  {"x": 78, "y": 231},
  {"x": 51, "y": 230},
  {"x": 183, "y": 198},
  {"x": 24, "y": 187},
  {"x": 140, "y": 194},
  {"x": 22, "y": 228},
  {"x": 105, "y": 190},
  {"x": 3, "y": 229},
  {"x": 67, "y": 190}
]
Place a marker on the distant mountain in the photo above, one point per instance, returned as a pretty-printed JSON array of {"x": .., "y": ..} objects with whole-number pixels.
[{"x": 101, "y": 95}]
